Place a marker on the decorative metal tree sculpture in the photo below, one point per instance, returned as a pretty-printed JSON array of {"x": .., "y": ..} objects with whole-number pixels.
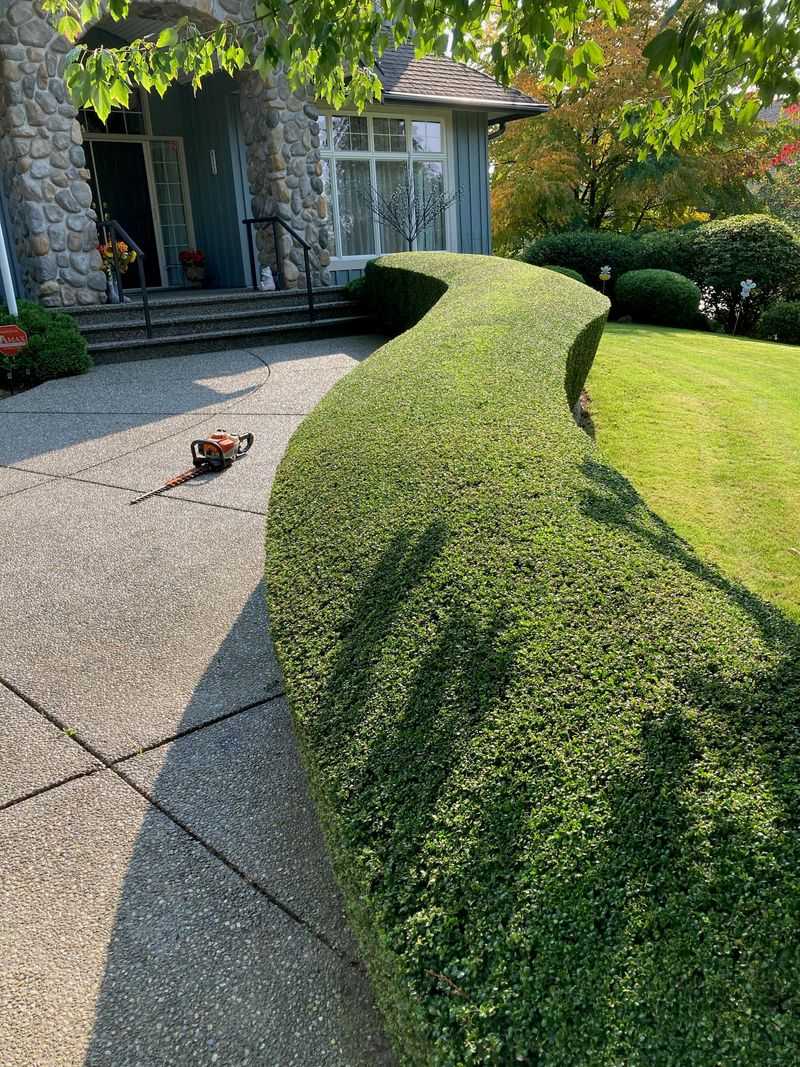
[{"x": 409, "y": 211}]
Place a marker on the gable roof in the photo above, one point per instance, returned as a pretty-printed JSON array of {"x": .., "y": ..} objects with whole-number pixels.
[{"x": 440, "y": 80}]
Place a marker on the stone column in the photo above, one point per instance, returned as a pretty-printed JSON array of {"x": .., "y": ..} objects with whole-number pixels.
[
  {"x": 43, "y": 164},
  {"x": 284, "y": 172}
]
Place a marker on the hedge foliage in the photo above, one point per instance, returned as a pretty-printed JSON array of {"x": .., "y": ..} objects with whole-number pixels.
[
  {"x": 568, "y": 272},
  {"x": 781, "y": 322},
  {"x": 658, "y": 296},
  {"x": 717, "y": 256},
  {"x": 556, "y": 755},
  {"x": 55, "y": 349}
]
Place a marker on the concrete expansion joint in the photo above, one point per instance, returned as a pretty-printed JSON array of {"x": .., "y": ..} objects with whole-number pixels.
[{"x": 115, "y": 767}]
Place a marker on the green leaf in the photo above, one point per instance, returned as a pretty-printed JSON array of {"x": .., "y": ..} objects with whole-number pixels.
[
  {"x": 167, "y": 37},
  {"x": 661, "y": 50}
]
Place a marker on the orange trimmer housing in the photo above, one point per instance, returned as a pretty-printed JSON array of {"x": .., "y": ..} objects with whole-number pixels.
[{"x": 220, "y": 449}]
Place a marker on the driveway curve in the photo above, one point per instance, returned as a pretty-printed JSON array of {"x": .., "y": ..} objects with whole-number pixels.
[{"x": 165, "y": 892}]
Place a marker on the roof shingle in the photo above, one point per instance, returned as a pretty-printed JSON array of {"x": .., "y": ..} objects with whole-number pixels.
[{"x": 442, "y": 80}]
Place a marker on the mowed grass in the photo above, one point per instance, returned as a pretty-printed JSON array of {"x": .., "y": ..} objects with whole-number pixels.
[{"x": 708, "y": 430}]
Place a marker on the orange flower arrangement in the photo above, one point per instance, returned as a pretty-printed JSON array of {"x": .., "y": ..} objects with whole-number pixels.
[{"x": 125, "y": 256}]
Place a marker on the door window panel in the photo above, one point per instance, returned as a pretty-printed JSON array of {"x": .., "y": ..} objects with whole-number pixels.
[{"x": 171, "y": 207}]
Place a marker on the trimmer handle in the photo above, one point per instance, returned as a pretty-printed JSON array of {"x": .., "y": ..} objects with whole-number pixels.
[{"x": 245, "y": 443}]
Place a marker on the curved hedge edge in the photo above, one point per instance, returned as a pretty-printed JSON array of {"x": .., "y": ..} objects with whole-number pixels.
[{"x": 550, "y": 748}]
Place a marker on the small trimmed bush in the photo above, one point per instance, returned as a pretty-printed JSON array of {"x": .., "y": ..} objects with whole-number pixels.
[
  {"x": 658, "y": 296},
  {"x": 555, "y": 754},
  {"x": 55, "y": 349},
  {"x": 567, "y": 272},
  {"x": 781, "y": 322}
]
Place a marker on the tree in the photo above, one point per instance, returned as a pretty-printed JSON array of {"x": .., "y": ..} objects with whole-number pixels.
[
  {"x": 713, "y": 57},
  {"x": 409, "y": 210},
  {"x": 578, "y": 165}
]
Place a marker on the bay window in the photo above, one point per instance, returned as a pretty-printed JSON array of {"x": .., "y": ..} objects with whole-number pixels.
[{"x": 365, "y": 152}]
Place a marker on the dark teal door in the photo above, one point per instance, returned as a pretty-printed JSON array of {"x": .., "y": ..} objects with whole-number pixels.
[{"x": 121, "y": 192}]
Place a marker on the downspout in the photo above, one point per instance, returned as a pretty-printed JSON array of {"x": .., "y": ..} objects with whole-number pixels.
[{"x": 501, "y": 129}]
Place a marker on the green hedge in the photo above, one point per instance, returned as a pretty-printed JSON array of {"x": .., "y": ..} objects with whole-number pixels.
[
  {"x": 781, "y": 322},
  {"x": 56, "y": 348},
  {"x": 568, "y": 272},
  {"x": 717, "y": 256},
  {"x": 658, "y": 296},
  {"x": 556, "y": 756}
]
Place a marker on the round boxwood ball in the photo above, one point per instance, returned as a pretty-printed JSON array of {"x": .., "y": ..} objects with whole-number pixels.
[{"x": 658, "y": 296}]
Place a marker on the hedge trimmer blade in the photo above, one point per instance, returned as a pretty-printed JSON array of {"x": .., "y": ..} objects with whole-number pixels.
[{"x": 179, "y": 479}]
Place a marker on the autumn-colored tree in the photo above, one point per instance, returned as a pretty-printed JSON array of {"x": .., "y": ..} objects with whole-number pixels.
[{"x": 579, "y": 166}]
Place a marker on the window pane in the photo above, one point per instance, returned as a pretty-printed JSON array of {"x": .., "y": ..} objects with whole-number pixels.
[
  {"x": 427, "y": 136},
  {"x": 392, "y": 183},
  {"x": 428, "y": 189},
  {"x": 350, "y": 133},
  {"x": 327, "y": 193},
  {"x": 323, "y": 131},
  {"x": 389, "y": 135},
  {"x": 355, "y": 217}
]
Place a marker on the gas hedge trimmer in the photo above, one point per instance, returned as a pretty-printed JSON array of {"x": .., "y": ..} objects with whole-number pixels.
[{"x": 214, "y": 453}]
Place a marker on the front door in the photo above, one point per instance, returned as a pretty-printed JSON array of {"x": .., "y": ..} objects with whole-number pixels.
[{"x": 122, "y": 192}]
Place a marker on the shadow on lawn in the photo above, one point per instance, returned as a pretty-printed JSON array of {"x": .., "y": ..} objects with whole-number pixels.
[{"x": 584, "y": 832}]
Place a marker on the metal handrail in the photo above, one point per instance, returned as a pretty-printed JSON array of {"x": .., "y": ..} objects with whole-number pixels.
[
  {"x": 275, "y": 221},
  {"x": 117, "y": 231}
]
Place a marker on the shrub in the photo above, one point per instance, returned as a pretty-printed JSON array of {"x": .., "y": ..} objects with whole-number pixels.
[
  {"x": 566, "y": 271},
  {"x": 554, "y": 753},
  {"x": 55, "y": 346},
  {"x": 781, "y": 322},
  {"x": 722, "y": 254},
  {"x": 658, "y": 296},
  {"x": 354, "y": 289},
  {"x": 586, "y": 251}
]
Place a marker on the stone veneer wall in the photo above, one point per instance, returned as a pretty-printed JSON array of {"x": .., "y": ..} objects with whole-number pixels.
[
  {"x": 43, "y": 164},
  {"x": 44, "y": 169},
  {"x": 284, "y": 172}
]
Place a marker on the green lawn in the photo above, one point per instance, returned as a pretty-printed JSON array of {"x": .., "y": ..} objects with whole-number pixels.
[{"x": 708, "y": 430}]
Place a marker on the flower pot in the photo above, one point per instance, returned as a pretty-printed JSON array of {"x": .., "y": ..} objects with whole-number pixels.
[
  {"x": 113, "y": 295},
  {"x": 195, "y": 276}
]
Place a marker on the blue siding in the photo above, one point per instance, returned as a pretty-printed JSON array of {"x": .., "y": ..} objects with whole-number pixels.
[
  {"x": 471, "y": 150},
  {"x": 209, "y": 122}
]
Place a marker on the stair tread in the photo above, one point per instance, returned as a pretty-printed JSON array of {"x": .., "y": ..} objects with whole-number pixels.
[
  {"x": 222, "y": 316},
  {"x": 209, "y": 297},
  {"x": 213, "y": 335}
]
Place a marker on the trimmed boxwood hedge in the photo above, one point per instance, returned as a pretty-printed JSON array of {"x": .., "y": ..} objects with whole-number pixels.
[
  {"x": 555, "y": 754},
  {"x": 568, "y": 272},
  {"x": 56, "y": 348}
]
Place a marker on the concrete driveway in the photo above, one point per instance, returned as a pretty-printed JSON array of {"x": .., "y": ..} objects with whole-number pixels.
[{"x": 165, "y": 897}]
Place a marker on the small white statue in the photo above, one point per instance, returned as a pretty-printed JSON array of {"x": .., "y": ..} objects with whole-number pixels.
[{"x": 266, "y": 282}]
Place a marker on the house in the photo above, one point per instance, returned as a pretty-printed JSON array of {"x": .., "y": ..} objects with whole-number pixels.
[{"x": 183, "y": 172}]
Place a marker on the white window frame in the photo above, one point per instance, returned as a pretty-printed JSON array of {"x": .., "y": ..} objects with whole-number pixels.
[{"x": 445, "y": 157}]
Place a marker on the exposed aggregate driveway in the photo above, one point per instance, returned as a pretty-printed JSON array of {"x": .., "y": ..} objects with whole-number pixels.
[{"x": 165, "y": 896}]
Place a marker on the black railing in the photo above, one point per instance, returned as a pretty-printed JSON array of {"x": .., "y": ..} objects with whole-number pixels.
[
  {"x": 111, "y": 231},
  {"x": 275, "y": 222}
]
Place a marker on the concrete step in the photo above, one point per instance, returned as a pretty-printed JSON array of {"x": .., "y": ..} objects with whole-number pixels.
[
  {"x": 214, "y": 318},
  {"x": 205, "y": 303},
  {"x": 123, "y": 351}
]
